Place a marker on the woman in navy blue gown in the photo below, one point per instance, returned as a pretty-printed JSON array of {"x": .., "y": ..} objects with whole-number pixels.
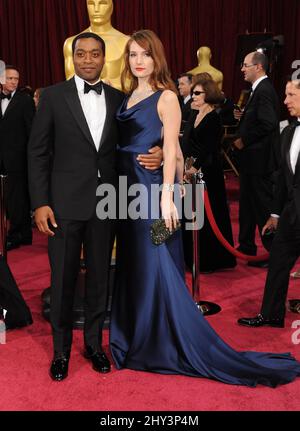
[{"x": 155, "y": 325}]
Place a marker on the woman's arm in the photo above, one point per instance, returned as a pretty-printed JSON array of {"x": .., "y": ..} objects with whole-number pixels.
[
  {"x": 179, "y": 164},
  {"x": 170, "y": 115}
]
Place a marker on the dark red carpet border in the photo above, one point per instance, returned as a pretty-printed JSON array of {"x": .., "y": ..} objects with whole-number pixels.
[{"x": 24, "y": 359}]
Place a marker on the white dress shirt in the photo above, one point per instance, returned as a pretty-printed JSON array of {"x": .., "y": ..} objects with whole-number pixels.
[
  {"x": 255, "y": 83},
  {"x": 186, "y": 99},
  {"x": 295, "y": 148},
  {"x": 6, "y": 102},
  {"x": 94, "y": 109},
  {"x": 294, "y": 153}
]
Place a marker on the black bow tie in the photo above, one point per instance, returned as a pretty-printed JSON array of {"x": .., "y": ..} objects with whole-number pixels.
[
  {"x": 96, "y": 87},
  {"x": 5, "y": 96},
  {"x": 295, "y": 124}
]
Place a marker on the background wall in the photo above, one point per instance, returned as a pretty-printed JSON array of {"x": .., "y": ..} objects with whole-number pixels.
[{"x": 32, "y": 32}]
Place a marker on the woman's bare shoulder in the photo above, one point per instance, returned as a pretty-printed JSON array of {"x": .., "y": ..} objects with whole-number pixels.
[{"x": 168, "y": 96}]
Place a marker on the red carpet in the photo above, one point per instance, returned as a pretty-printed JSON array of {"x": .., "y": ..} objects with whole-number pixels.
[{"x": 25, "y": 358}]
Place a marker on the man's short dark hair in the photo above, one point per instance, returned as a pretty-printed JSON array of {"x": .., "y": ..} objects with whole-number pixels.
[
  {"x": 260, "y": 58},
  {"x": 88, "y": 35},
  {"x": 189, "y": 76},
  {"x": 11, "y": 67}
]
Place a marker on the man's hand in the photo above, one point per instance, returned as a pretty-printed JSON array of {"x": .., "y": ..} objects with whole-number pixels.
[
  {"x": 41, "y": 216},
  {"x": 152, "y": 160},
  {"x": 270, "y": 226},
  {"x": 237, "y": 114},
  {"x": 238, "y": 143}
]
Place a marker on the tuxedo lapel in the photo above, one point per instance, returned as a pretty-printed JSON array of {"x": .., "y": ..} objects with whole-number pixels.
[
  {"x": 71, "y": 96},
  {"x": 297, "y": 169},
  {"x": 253, "y": 93},
  {"x": 287, "y": 146},
  {"x": 13, "y": 102},
  {"x": 249, "y": 101}
]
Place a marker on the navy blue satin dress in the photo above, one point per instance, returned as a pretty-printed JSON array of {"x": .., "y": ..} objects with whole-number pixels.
[{"x": 155, "y": 325}]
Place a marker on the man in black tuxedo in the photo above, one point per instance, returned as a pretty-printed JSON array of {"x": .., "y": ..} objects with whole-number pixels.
[
  {"x": 285, "y": 248},
  {"x": 72, "y": 151},
  {"x": 257, "y": 142},
  {"x": 16, "y": 116},
  {"x": 185, "y": 82}
]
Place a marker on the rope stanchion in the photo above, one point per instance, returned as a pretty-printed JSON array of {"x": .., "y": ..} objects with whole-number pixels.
[
  {"x": 221, "y": 238},
  {"x": 207, "y": 308}
]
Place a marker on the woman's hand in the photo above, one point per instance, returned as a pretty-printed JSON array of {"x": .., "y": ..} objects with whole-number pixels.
[
  {"x": 168, "y": 210},
  {"x": 189, "y": 173}
]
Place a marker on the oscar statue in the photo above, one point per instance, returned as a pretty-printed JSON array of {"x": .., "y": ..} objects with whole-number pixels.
[
  {"x": 204, "y": 57},
  {"x": 100, "y": 12}
]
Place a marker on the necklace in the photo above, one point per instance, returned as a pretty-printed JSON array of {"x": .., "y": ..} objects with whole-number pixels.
[{"x": 140, "y": 95}]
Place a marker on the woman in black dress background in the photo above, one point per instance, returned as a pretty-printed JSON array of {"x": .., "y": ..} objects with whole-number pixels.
[{"x": 202, "y": 140}]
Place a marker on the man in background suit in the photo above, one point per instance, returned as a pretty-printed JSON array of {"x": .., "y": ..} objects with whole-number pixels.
[
  {"x": 285, "y": 248},
  {"x": 185, "y": 82},
  {"x": 72, "y": 150},
  {"x": 16, "y": 116},
  {"x": 257, "y": 142}
]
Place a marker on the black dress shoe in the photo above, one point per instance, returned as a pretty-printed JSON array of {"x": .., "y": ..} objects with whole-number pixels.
[
  {"x": 259, "y": 320},
  {"x": 259, "y": 264},
  {"x": 99, "y": 360},
  {"x": 294, "y": 305},
  {"x": 59, "y": 366}
]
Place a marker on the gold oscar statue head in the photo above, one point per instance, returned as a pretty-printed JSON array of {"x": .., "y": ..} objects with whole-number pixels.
[
  {"x": 100, "y": 12},
  {"x": 204, "y": 56}
]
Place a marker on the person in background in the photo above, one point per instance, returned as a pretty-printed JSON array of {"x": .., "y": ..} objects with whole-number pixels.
[
  {"x": 284, "y": 219},
  {"x": 185, "y": 82},
  {"x": 16, "y": 116},
  {"x": 36, "y": 96},
  {"x": 257, "y": 143},
  {"x": 202, "y": 141}
]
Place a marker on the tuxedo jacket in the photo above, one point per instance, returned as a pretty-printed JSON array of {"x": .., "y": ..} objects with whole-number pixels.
[
  {"x": 287, "y": 192},
  {"x": 63, "y": 161},
  {"x": 186, "y": 109},
  {"x": 259, "y": 130},
  {"x": 15, "y": 126}
]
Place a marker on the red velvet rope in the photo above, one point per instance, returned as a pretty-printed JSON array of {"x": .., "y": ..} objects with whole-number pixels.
[{"x": 221, "y": 238}]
